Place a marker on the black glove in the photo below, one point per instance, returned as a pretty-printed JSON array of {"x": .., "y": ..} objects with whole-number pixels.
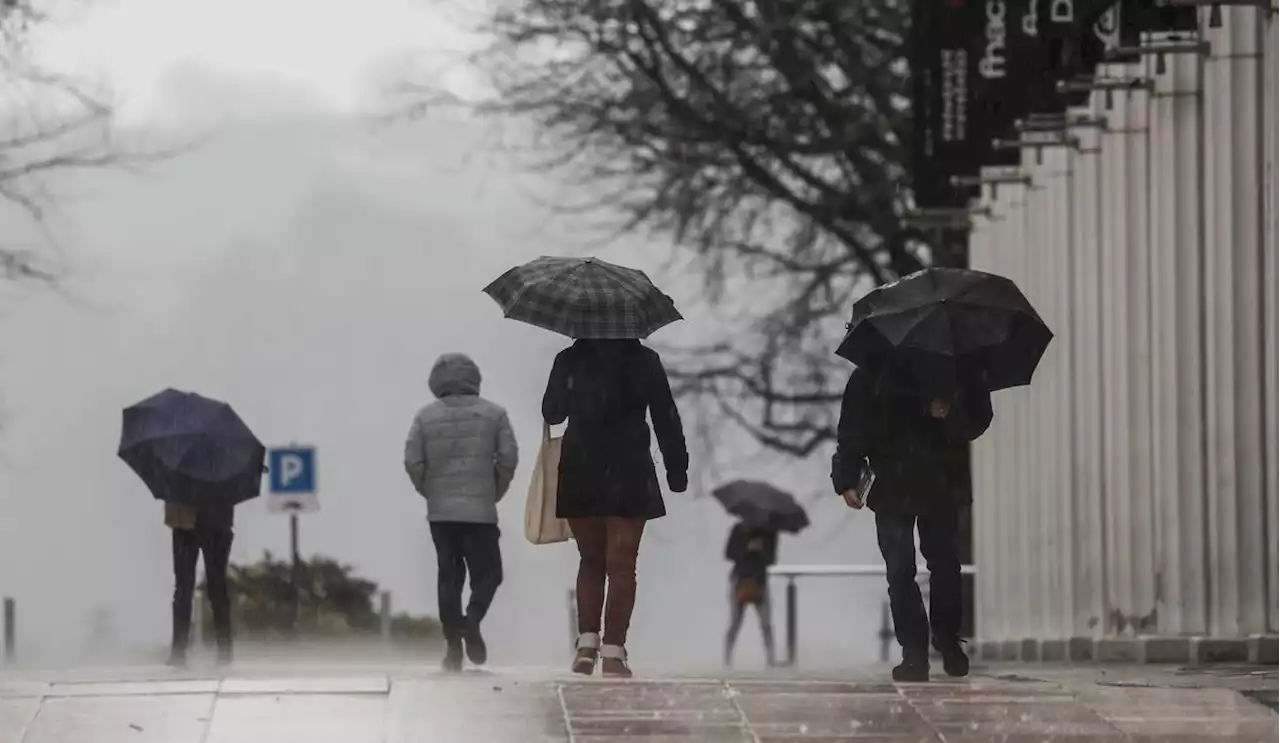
[{"x": 678, "y": 481}]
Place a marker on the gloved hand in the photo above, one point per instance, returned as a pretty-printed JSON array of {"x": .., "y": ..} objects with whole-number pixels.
[{"x": 678, "y": 481}]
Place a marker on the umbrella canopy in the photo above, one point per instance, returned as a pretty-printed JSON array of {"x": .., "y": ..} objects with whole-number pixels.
[
  {"x": 188, "y": 449},
  {"x": 583, "y": 298},
  {"x": 937, "y": 327},
  {"x": 761, "y": 504}
]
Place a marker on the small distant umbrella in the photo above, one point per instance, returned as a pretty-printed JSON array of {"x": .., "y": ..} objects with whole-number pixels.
[
  {"x": 190, "y": 449},
  {"x": 761, "y": 504},
  {"x": 940, "y": 326},
  {"x": 583, "y": 298}
]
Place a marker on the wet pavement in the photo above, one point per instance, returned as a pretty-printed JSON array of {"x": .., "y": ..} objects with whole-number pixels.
[{"x": 359, "y": 705}]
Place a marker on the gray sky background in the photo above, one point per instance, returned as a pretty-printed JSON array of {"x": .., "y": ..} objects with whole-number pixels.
[{"x": 308, "y": 267}]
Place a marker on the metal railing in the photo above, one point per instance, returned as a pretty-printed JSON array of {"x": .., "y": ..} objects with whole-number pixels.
[{"x": 793, "y": 572}]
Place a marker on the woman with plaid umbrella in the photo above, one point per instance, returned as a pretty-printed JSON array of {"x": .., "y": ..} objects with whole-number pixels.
[{"x": 603, "y": 384}]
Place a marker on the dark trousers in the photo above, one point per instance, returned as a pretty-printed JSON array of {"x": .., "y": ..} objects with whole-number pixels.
[
  {"x": 737, "y": 612},
  {"x": 188, "y": 545},
  {"x": 464, "y": 548},
  {"x": 607, "y": 551},
  {"x": 939, "y": 544}
]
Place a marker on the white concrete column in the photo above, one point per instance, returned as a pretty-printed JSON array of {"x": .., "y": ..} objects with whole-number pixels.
[
  {"x": 1032, "y": 499},
  {"x": 1088, "y": 581},
  {"x": 988, "y": 603},
  {"x": 1177, "y": 346},
  {"x": 1237, "y": 560},
  {"x": 1113, "y": 278},
  {"x": 1052, "y": 408},
  {"x": 1014, "y": 404},
  {"x": 1270, "y": 85},
  {"x": 1139, "y": 540}
]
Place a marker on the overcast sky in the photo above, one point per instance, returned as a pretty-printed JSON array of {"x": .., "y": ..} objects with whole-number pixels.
[{"x": 307, "y": 267}]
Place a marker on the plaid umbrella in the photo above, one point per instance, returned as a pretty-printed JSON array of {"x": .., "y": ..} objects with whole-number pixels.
[{"x": 583, "y": 298}]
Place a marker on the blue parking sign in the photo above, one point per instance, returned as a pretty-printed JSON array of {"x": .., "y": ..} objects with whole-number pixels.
[{"x": 293, "y": 470}]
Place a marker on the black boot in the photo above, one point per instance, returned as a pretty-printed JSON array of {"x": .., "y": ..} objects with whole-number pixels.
[
  {"x": 955, "y": 661},
  {"x": 452, "y": 655},
  {"x": 914, "y": 668},
  {"x": 477, "y": 651}
]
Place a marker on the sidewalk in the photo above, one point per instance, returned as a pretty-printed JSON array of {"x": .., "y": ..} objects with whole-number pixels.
[{"x": 1014, "y": 704}]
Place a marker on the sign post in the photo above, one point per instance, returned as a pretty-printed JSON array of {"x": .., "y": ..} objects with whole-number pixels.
[{"x": 293, "y": 491}]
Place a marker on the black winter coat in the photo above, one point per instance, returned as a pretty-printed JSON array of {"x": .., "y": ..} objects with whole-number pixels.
[
  {"x": 751, "y": 551},
  {"x": 916, "y": 458},
  {"x": 604, "y": 388}
]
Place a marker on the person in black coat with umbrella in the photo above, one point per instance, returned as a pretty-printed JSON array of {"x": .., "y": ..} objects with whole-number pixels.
[
  {"x": 752, "y": 550},
  {"x": 910, "y": 442},
  {"x": 608, "y": 487}
]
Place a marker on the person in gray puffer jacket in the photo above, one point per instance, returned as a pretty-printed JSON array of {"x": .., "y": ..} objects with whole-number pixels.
[{"x": 461, "y": 456}]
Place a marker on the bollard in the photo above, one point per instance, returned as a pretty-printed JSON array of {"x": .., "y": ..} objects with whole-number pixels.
[
  {"x": 791, "y": 622},
  {"x": 10, "y": 628},
  {"x": 385, "y": 610}
]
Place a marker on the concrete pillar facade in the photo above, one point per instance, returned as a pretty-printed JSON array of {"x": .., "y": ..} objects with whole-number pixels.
[{"x": 1126, "y": 502}]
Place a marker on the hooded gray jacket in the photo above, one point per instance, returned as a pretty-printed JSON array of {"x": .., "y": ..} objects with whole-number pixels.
[{"x": 461, "y": 452}]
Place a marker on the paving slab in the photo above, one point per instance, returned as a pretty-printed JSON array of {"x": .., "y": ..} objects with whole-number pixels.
[
  {"x": 375, "y": 684},
  {"x": 16, "y": 715},
  {"x": 298, "y": 718},
  {"x": 129, "y": 719},
  {"x": 131, "y": 688},
  {"x": 469, "y": 709}
]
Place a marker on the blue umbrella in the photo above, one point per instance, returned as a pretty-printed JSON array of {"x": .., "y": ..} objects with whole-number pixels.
[{"x": 191, "y": 449}]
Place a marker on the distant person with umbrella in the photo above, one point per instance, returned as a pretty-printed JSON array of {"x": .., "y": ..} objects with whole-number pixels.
[
  {"x": 201, "y": 460},
  {"x": 604, "y": 385},
  {"x": 930, "y": 349},
  {"x": 752, "y": 548}
]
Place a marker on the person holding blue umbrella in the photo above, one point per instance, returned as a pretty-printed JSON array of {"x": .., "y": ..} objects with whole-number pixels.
[{"x": 198, "y": 457}]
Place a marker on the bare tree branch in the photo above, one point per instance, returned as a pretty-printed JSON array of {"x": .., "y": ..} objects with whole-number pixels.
[
  {"x": 767, "y": 137},
  {"x": 50, "y": 123}
]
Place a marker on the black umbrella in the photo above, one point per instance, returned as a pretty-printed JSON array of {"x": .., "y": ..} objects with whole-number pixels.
[
  {"x": 189, "y": 449},
  {"x": 941, "y": 326},
  {"x": 761, "y": 504},
  {"x": 583, "y": 298}
]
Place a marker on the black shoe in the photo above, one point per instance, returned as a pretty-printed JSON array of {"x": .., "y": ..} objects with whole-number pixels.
[
  {"x": 911, "y": 671},
  {"x": 955, "y": 661},
  {"x": 477, "y": 651},
  {"x": 453, "y": 657},
  {"x": 176, "y": 660}
]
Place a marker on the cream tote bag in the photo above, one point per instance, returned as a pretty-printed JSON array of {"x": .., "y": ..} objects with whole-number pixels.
[{"x": 540, "y": 523}]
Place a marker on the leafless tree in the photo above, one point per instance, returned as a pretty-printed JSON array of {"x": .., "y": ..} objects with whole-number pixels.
[
  {"x": 767, "y": 137},
  {"x": 49, "y": 123}
]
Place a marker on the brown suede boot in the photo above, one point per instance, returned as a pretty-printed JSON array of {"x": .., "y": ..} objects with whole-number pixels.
[{"x": 613, "y": 662}]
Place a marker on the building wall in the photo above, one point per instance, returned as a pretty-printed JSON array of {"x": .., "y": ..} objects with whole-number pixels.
[{"x": 1131, "y": 490}]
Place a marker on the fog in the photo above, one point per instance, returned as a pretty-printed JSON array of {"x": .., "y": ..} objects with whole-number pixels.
[{"x": 307, "y": 267}]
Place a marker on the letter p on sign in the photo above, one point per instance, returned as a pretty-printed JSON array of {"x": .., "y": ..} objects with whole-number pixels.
[{"x": 293, "y": 471}]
